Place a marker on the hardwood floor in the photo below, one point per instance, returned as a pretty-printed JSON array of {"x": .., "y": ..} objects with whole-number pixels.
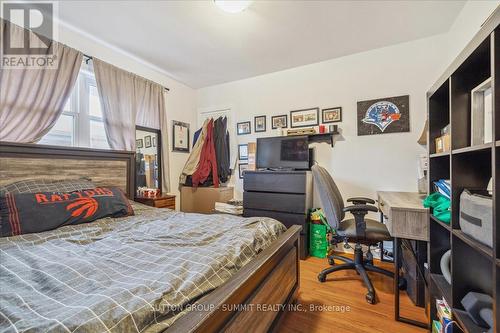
[{"x": 342, "y": 298}]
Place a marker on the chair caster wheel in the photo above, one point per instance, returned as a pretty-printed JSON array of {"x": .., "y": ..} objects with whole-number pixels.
[
  {"x": 370, "y": 298},
  {"x": 321, "y": 278},
  {"x": 331, "y": 261}
]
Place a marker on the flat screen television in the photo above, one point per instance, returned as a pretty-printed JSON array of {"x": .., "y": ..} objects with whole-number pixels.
[{"x": 283, "y": 152}]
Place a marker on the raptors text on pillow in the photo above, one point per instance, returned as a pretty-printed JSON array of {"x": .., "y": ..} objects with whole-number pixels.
[{"x": 36, "y": 212}]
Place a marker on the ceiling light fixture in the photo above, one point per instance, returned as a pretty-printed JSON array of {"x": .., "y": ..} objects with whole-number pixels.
[{"x": 233, "y": 6}]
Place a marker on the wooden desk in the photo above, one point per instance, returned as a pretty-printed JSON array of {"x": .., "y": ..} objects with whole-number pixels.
[{"x": 406, "y": 218}]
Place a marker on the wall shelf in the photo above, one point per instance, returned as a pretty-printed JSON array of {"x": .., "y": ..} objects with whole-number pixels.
[
  {"x": 322, "y": 137},
  {"x": 476, "y": 266}
]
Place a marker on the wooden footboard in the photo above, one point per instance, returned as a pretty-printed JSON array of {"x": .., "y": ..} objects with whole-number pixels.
[{"x": 255, "y": 298}]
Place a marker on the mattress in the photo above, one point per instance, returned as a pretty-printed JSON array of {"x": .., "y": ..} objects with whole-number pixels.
[{"x": 132, "y": 274}]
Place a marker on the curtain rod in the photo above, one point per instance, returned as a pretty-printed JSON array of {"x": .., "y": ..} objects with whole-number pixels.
[{"x": 91, "y": 58}]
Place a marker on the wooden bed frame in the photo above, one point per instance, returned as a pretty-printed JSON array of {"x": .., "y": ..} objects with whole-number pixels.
[{"x": 253, "y": 300}]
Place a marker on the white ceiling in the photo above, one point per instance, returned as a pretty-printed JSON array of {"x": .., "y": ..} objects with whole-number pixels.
[{"x": 200, "y": 45}]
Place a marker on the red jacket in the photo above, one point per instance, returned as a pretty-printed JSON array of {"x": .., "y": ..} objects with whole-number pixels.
[{"x": 207, "y": 160}]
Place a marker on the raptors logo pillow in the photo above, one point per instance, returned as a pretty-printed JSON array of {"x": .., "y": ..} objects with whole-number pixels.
[{"x": 26, "y": 213}]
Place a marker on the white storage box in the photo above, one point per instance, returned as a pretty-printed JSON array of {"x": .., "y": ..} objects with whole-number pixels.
[{"x": 476, "y": 217}]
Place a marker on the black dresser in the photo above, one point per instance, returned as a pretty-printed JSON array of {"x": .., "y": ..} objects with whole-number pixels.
[{"x": 282, "y": 195}]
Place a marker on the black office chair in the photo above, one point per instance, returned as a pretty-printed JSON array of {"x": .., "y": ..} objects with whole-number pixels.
[{"x": 359, "y": 230}]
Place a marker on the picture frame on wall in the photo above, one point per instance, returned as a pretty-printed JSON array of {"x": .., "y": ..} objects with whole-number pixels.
[
  {"x": 280, "y": 121},
  {"x": 147, "y": 141},
  {"x": 331, "y": 115},
  {"x": 243, "y": 128},
  {"x": 304, "y": 117},
  {"x": 260, "y": 124},
  {"x": 154, "y": 141},
  {"x": 139, "y": 143},
  {"x": 241, "y": 169},
  {"x": 384, "y": 115},
  {"x": 180, "y": 136},
  {"x": 243, "y": 152}
]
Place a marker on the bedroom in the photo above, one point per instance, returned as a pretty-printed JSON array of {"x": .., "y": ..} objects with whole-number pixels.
[{"x": 163, "y": 159}]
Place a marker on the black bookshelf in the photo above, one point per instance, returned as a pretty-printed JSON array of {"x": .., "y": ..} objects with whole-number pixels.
[{"x": 475, "y": 266}]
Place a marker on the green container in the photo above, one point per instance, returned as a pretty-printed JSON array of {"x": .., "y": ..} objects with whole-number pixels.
[
  {"x": 318, "y": 231},
  {"x": 318, "y": 243}
]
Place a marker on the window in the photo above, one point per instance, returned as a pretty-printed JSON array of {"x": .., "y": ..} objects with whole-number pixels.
[{"x": 81, "y": 123}]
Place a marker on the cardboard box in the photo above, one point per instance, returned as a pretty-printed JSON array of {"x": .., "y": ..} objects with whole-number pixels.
[
  {"x": 443, "y": 143},
  {"x": 202, "y": 199}
]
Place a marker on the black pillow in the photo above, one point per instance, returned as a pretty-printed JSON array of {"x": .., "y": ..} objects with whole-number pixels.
[{"x": 26, "y": 213}]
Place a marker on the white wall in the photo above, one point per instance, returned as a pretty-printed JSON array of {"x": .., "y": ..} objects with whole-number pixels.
[
  {"x": 181, "y": 99},
  {"x": 468, "y": 22},
  {"x": 361, "y": 165}
]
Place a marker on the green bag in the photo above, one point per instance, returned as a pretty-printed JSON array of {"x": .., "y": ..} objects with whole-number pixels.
[
  {"x": 440, "y": 206},
  {"x": 318, "y": 242}
]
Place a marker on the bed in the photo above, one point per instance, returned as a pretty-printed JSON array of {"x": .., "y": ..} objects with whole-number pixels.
[{"x": 159, "y": 270}]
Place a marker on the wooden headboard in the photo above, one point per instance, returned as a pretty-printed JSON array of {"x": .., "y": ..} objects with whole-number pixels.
[{"x": 104, "y": 167}]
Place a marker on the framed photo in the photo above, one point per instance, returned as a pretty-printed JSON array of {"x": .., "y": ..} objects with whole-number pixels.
[
  {"x": 384, "y": 115},
  {"x": 147, "y": 141},
  {"x": 481, "y": 113},
  {"x": 154, "y": 141},
  {"x": 180, "y": 133},
  {"x": 260, "y": 124},
  {"x": 139, "y": 143},
  {"x": 243, "y": 152},
  {"x": 331, "y": 115},
  {"x": 243, "y": 128},
  {"x": 241, "y": 168},
  {"x": 304, "y": 118},
  {"x": 279, "y": 121}
]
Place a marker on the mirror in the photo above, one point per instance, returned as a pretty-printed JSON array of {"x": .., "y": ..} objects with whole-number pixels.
[{"x": 147, "y": 158}]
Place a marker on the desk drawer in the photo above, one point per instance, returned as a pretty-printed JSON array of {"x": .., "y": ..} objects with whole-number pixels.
[
  {"x": 261, "y": 181},
  {"x": 165, "y": 203},
  {"x": 279, "y": 202},
  {"x": 409, "y": 224}
]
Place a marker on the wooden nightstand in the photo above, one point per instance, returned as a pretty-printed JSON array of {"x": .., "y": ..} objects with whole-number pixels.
[{"x": 164, "y": 201}]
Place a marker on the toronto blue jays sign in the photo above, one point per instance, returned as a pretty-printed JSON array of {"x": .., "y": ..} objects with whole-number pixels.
[{"x": 385, "y": 115}]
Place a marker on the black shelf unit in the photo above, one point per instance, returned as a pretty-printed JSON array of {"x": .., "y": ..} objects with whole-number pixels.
[{"x": 475, "y": 266}]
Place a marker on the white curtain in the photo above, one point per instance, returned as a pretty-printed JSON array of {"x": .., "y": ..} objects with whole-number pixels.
[
  {"x": 149, "y": 96},
  {"x": 118, "y": 100},
  {"x": 151, "y": 112},
  {"x": 128, "y": 100},
  {"x": 32, "y": 99},
  {"x": 164, "y": 144}
]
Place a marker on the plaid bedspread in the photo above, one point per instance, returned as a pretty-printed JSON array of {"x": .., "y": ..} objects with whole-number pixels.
[{"x": 133, "y": 274}]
